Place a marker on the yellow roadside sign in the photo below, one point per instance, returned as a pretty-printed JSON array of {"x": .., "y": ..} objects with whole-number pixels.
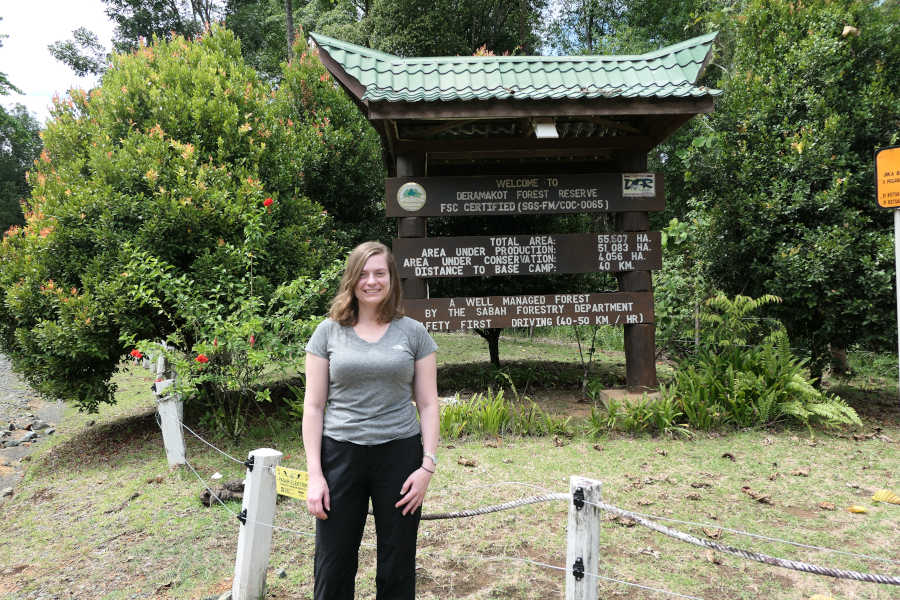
[
  {"x": 291, "y": 482},
  {"x": 887, "y": 177}
]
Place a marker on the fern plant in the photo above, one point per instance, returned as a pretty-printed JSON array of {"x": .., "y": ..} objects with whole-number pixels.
[{"x": 747, "y": 376}]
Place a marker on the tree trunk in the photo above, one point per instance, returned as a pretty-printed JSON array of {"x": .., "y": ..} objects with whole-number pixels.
[
  {"x": 523, "y": 7},
  {"x": 839, "y": 364},
  {"x": 589, "y": 37},
  {"x": 289, "y": 20},
  {"x": 492, "y": 336}
]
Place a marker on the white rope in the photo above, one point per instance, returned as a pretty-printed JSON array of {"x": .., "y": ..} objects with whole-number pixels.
[
  {"x": 767, "y": 538},
  {"x": 495, "y": 508},
  {"x": 222, "y": 452},
  {"x": 757, "y": 556},
  {"x": 209, "y": 489}
]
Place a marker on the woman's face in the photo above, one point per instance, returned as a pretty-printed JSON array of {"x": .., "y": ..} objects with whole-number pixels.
[{"x": 374, "y": 282}]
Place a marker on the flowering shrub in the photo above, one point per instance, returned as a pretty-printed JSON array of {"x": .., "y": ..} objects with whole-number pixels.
[{"x": 164, "y": 206}]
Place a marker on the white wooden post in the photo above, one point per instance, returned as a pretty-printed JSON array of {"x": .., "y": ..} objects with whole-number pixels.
[
  {"x": 255, "y": 539},
  {"x": 171, "y": 413},
  {"x": 161, "y": 363},
  {"x": 583, "y": 539}
]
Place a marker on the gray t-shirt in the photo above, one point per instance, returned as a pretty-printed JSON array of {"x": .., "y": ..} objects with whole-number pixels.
[{"x": 370, "y": 384}]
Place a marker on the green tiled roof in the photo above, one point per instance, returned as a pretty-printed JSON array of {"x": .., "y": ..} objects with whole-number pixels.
[{"x": 668, "y": 72}]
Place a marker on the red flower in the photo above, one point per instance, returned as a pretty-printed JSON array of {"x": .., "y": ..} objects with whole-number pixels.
[
  {"x": 202, "y": 359},
  {"x": 268, "y": 204},
  {"x": 216, "y": 342},
  {"x": 252, "y": 340},
  {"x": 136, "y": 353}
]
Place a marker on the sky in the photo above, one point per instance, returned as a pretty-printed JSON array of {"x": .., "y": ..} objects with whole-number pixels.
[{"x": 31, "y": 26}]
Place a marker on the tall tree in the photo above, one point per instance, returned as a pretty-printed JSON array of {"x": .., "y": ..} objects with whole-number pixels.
[
  {"x": 262, "y": 27},
  {"x": 5, "y": 86},
  {"x": 135, "y": 20},
  {"x": 447, "y": 27},
  {"x": 289, "y": 27},
  {"x": 782, "y": 172},
  {"x": 20, "y": 144},
  {"x": 84, "y": 53}
]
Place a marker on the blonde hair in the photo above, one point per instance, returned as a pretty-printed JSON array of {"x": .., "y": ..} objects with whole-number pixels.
[{"x": 344, "y": 306}]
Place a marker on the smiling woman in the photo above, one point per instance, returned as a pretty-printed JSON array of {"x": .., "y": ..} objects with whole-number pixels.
[{"x": 367, "y": 362}]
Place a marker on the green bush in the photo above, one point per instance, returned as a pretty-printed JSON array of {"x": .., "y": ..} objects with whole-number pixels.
[
  {"x": 649, "y": 415},
  {"x": 157, "y": 215},
  {"x": 493, "y": 414},
  {"x": 742, "y": 378}
]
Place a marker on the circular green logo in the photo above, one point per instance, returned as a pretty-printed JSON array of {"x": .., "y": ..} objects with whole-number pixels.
[{"x": 411, "y": 196}]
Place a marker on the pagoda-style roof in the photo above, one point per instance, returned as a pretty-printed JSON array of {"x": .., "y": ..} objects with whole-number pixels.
[
  {"x": 467, "y": 109},
  {"x": 669, "y": 72}
]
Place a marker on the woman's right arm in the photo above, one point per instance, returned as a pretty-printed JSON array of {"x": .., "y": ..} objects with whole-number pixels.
[{"x": 317, "y": 498}]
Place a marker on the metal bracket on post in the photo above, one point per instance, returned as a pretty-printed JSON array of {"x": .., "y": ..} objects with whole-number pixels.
[
  {"x": 578, "y": 569},
  {"x": 257, "y": 516},
  {"x": 578, "y": 498},
  {"x": 583, "y": 538}
]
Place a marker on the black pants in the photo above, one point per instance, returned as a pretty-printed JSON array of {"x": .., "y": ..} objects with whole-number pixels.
[{"x": 354, "y": 474}]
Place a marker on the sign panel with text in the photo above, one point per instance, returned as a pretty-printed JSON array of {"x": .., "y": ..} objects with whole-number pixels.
[
  {"x": 528, "y": 254},
  {"x": 523, "y": 195},
  {"x": 535, "y": 310},
  {"x": 887, "y": 177}
]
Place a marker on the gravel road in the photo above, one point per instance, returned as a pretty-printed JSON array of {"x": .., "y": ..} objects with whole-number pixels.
[{"x": 26, "y": 420}]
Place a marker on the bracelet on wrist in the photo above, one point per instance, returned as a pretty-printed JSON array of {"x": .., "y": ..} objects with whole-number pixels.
[{"x": 424, "y": 468}]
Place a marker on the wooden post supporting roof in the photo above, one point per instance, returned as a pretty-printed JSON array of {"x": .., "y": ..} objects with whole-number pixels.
[{"x": 504, "y": 115}]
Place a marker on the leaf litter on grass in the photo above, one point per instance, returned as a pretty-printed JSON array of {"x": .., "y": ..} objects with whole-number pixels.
[{"x": 200, "y": 557}]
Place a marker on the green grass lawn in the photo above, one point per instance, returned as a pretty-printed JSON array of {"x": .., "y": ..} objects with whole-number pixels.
[{"x": 100, "y": 516}]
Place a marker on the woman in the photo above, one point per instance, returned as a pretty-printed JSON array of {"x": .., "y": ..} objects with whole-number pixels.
[{"x": 366, "y": 363}]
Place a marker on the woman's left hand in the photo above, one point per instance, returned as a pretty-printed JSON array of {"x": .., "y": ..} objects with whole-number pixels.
[{"x": 413, "y": 491}]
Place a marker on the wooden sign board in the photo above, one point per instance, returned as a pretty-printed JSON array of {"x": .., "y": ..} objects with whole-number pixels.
[
  {"x": 542, "y": 310},
  {"x": 473, "y": 256},
  {"x": 887, "y": 177},
  {"x": 523, "y": 194}
]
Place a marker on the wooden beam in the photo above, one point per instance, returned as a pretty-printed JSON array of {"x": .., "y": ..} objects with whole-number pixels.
[
  {"x": 511, "y": 109},
  {"x": 615, "y": 125},
  {"x": 662, "y": 128},
  {"x": 438, "y": 129},
  {"x": 387, "y": 146},
  {"x": 472, "y": 156},
  {"x": 529, "y": 144}
]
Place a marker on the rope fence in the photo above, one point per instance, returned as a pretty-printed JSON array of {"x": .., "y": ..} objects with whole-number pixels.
[
  {"x": 469, "y": 513},
  {"x": 548, "y": 496},
  {"x": 647, "y": 521},
  {"x": 763, "y": 558}
]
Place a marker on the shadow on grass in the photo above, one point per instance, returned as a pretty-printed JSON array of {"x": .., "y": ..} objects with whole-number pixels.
[
  {"x": 871, "y": 405},
  {"x": 103, "y": 444},
  {"x": 527, "y": 375}
]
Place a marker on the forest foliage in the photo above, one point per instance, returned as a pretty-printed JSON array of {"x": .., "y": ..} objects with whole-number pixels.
[{"x": 163, "y": 167}]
